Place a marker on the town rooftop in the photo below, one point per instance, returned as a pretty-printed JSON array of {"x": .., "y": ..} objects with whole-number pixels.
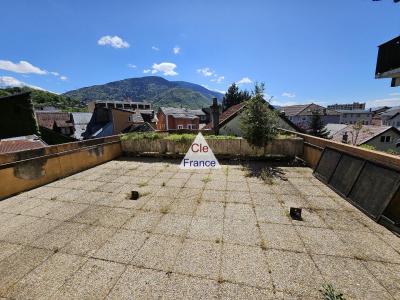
[{"x": 192, "y": 234}]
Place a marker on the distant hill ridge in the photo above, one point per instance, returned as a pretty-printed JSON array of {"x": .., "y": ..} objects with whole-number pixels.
[{"x": 154, "y": 89}]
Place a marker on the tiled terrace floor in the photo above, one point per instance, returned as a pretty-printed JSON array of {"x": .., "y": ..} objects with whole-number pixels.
[{"x": 192, "y": 234}]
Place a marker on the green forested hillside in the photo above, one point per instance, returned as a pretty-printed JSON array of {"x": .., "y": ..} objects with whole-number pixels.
[
  {"x": 154, "y": 89},
  {"x": 43, "y": 98}
]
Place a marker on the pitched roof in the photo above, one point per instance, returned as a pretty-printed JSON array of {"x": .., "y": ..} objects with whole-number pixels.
[
  {"x": 293, "y": 110},
  {"x": 366, "y": 133},
  {"x": 391, "y": 112},
  {"x": 178, "y": 112},
  {"x": 334, "y": 128},
  {"x": 143, "y": 127},
  {"x": 197, "y": 112},
  {"x": 306, "y": 110},
  {"x": 21, "y": 143},
  {"x": 47, "y": 119},
  {"x": 227, "y": 115}
]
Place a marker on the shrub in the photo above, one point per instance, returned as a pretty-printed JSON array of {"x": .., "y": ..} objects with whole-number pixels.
[
  {"x": 258, "y": 122},
  {"x": 368, "y": 147},
  {"x": 140, "y": 136}
]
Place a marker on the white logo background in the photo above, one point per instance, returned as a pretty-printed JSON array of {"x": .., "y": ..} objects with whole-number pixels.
[{"x": 199, "y": 156}]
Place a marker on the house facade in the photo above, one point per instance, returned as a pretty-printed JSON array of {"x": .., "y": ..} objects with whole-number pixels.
[
  {"x": 354, "y": 116},
  {"x": 230, "y": 119},
  {"x": 110, "y": 121},
  {"x": 348, "y": 106},
  {"x": 382, "y": 138},
  {"x": 301, "y": 115},
  {"x": 170, "y": 118}
]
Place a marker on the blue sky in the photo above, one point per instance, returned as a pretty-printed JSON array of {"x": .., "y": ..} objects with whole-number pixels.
[{"x": 304, "y": 51}]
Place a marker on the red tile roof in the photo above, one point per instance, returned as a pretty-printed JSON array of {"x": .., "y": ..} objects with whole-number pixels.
[
  {"x": 47, "y": 119},
  {"x": 15, "y": 145}
]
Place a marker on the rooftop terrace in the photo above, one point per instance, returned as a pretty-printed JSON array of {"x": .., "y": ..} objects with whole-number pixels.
[{"x": 192, "y": 234}]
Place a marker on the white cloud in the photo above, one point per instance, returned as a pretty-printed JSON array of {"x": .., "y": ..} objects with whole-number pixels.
[
  {"x": 146, "y": 71},
  {"x": 220, "y": 91},
  {"x": 395, "y": 101},
  {"x": 218, "y": 79},
  {"x": 206, "y": 72},
  {"x": 8, "y": 81},
  {"x": 113, "y": 41},
  {"x": 55, "y": 73},
  {"x": 244, "y": 80},
  {"x": 176, "y": 50},
  {"x": 63, "y": 78},
  {"x": 21, "y": 67},
  {"x": 167, "y": 68},
  {"x": 394, "y": 94},
  {"x": 282, "y": 103},
  {"x": 289, "y": 95},
  {"x": 155, "y": 48},
  {"x": 132, "y": 66}
]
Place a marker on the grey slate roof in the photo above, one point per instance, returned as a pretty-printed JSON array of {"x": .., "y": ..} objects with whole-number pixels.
[{"x": 178, "y": 112}]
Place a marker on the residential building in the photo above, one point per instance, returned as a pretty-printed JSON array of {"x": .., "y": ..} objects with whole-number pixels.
[
  {"x": 379, "y": 109},
  {"x": 382, "y": 138},
  {"x": 301, "y": 115},
  {"x": 21, "y": 143},
  {"x": 229, "y": 121},
  {"x": 171, "y": 118},
  {"x": 59, "y": 122},
  {"x": 354, "y": 116},
  {"x": 111, "y": 121},
  {"x": 391, "y": 117},
  {"x": 118, "y": 104},
  {"x": 348, "y": 106},
  {"x": 388, "y": 62},
  {"x": 203, "y": 116},
  {"x": 17, "y": 117}
]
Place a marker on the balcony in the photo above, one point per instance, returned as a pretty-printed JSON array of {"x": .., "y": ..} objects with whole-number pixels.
[
  {"x": 388, "y": 62},
  {"x": 191, "y": 234}
]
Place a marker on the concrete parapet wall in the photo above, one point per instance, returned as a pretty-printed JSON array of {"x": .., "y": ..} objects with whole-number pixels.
[
  {"x": 313, "y": 147},
  {"x": 288, "y": 147},
  {"x": 21, "y": 171}
]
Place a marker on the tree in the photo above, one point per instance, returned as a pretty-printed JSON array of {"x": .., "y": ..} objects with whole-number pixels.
[
  {"x": 317, "y": 127},
  {"x": 258, "y": 122},
  {"x": 234, "y": 96}
]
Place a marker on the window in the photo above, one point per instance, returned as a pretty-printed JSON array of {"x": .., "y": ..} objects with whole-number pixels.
[
  {"x": 190, "y": 126},
  {"x": 344, "y": 115},
  {"x": 382, "y": 139},
  {"x": 398, "y": 124},
  {"x": 388, "y": 139},
  {"x": 180, "y": 126}
]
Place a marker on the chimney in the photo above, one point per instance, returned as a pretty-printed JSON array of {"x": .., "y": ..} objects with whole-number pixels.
[
  {"x": 345, "y": 137},
  {"x": 215, "y": 115}
]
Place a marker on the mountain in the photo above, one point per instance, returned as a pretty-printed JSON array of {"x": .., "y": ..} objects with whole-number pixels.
[
  {"x": 153, "y": 89},
  {"x": 44, "y": 98}
]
